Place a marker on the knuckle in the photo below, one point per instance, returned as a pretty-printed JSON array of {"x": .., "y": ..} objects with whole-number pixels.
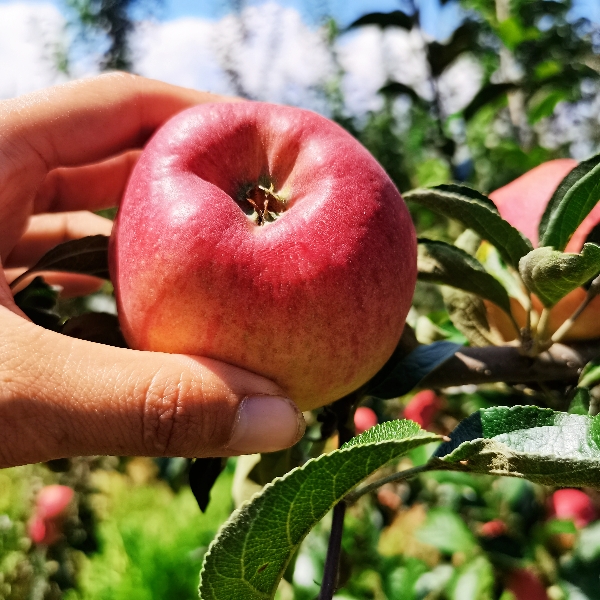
[
  {"x": 183, "y": 415},
  {"x": 167, "y": 417}
]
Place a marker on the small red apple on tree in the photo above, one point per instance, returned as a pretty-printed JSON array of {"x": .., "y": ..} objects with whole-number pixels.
[
  {"x": 364, "y": 418},
  {"x": 574, "y": 505},
  {"x": 52, "y": 506},
  {"x": 526, "y": 585},
  {"x": 269, "y": 238},
  {"x": 423, "y": 407},
  {"x": 522, "y": 203}
]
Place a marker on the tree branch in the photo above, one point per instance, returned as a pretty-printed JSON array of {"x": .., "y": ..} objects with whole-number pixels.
[{"x": 494, "y": 364}]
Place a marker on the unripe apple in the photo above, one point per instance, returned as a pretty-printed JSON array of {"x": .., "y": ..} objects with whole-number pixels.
[
  {"x": 51, "y": 509},
  {"x": 423, "y": 407},
  {"x": 364, "y": 418},
  {"x": 574, "y": 505},
  {"x": 522, "y": 203},
  {"x": 526, "y": 585},
  {"x": 266, "y": 237}
]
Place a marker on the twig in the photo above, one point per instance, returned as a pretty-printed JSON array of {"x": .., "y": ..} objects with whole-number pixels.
[
  {"x": 344, "y": 409},
  {"x": 400, "y": 476},
  {"x": 334, "y": 549},
  {"x": 494, "y": 364},
  {"x": 592, "y": 292}
]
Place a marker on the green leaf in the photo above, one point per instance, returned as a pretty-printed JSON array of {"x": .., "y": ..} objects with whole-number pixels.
[
  {"x": 446, "y": 531},
  {"x": 580, "y": 405},
  {"x": 442, "y": 263},
  {"x": 469, "y": 315},
  {"x": 249, "y": 556},
  {"x": 86, "y": 256},
  {"x": 539, "y": 444},
  {"x": 488, "y": 93},
  {"x": 440, "y": 56},
  {"x": 543, "y": 105},
  {"x": 552, "y": 274},
  {"x": 474, "y": 581},
  {"x": 570, "y": 204},
  {"x": 203, "y": 475},
  {"x": 396, "y": 18},
  {"x": 590, "y": 376},
  {"x": 411, "y": 369},
  {"x": 393, "y": 89},
  {"x": 38, "y": 302},
  {"x": 477, "y": 212}
]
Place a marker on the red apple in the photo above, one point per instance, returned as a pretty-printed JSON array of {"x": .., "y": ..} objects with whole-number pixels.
[
  {"x": 574, "y": 505},
  {"x": 526, "y": 585},
  {"x": 269, "y": 238},
  {"x": 51, "y": 508},
  {"x": 364, "y": 418},
  {"x": 522, "y": 203},
  {"x": 493, "y": 529},
  {"x": 423, "y": 407}
]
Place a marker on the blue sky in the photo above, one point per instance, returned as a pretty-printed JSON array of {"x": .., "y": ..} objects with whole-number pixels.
[{"x": 439, "y": 22}]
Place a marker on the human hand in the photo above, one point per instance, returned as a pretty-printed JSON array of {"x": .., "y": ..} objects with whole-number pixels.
[{"x": 64, "y": 151}]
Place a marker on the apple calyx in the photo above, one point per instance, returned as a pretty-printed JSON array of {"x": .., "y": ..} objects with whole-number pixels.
[{"x": 266, "y": 204}]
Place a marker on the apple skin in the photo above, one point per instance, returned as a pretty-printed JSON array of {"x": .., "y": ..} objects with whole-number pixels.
[
  {"x": 315, "y": 300},
  {"x": 522, "y": 203}
]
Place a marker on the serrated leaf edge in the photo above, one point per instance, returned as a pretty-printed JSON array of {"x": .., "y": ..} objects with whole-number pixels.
[{"x": 236, "y": 513}]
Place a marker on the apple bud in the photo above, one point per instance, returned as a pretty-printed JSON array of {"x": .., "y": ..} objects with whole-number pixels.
[
  {"x": 423, "y": 407},
  {"x": 574, "y": 505},
  {"x": 526, "y": 585},
  {"x": 364, "y": 418}
]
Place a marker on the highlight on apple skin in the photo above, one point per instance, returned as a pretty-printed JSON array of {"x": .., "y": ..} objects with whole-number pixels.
[
  {"x": 522, "y": 203},
  {"x": 266, "y": 237}
]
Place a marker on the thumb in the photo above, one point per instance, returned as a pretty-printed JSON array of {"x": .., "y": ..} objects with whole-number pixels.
[{"x": 61, "y": 396}]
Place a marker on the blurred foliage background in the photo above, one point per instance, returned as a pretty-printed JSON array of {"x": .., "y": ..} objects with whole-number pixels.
[{"x": 511, "y": 84}]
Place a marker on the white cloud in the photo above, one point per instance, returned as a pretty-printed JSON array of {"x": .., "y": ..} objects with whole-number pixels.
[
  {"x": 29, "y": 38},
  {"x": 272, "y": 53}
]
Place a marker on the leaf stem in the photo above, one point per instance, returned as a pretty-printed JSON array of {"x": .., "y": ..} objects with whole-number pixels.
[
  {"x": 352, "y": 497},
  {"x": 592, "y": 292}
]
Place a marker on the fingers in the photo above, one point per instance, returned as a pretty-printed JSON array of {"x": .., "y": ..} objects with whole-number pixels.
[
  {"x": 91, "y": 187},
  {"x": 65, "y": 397},
  {"x": 89, "y": 120},
  {"x": 46, "y": 231}
]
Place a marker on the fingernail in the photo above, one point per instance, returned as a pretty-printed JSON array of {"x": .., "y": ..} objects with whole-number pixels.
[{"x": 266, "y": 424}]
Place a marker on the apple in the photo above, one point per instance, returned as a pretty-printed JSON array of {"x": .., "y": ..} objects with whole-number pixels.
[
  {"x": 574, "y": 505},
  {"x": 494, "y": 528},
  {"x": 526, "y": 585},
  {"x": 364, "y": 418},
  {"x": 423, "y": 407},
  {"x": 52, "y": 506},
  {"x": 522, "y": 203},
  {"x": 266, "y": 237}
]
